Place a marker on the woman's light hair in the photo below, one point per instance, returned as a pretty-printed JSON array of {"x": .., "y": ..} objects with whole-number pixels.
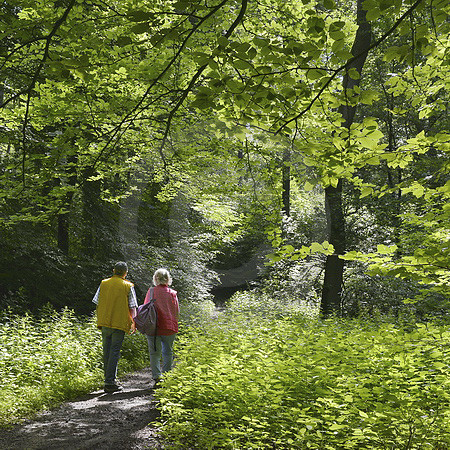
[{"x": 162, "y": 276}]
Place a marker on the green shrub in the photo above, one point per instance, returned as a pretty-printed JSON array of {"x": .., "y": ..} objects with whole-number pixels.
[
  {"x": 295, "y": 281},
  {"x": 257, "y": 303},
  {"x": 56, "y": 357},
  {"x": 255, "y": 382},
  {"x": 375, "y": 295},
  {"x": 196, "y": 312}
]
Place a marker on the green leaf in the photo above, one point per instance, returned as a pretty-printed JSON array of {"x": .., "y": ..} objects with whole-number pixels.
[
  {"x": 315, "y": 74},
  {"x": 373, "y": 14},
  {"x": 354, "y": 74},
  {"x": 316, "y": 25},
  {"x": 337, "y": 26},
  {"x": 374, "y": 161},
  {"x": 368, "y": 97},
  {"x": 337, "y": 35},
  {"x": 260, "y": 42},
  {"x": 366, "y": 191},
  {"x": 140, "y": 28},
  {"x": 386, "y": 250},
  {"x": 123, "y": 41},
  {"x": 308, "y": 186},
  {"x": 140, "y": 16}
]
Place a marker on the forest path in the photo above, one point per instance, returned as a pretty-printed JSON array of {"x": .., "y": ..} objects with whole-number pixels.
[{"x": 94, "y": 421}]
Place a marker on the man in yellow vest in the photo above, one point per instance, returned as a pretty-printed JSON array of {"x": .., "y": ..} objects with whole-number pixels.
[{"x": 116, "y": 306}]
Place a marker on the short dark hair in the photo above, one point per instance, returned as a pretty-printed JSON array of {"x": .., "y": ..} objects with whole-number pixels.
[{"x": 120, "y": 268}]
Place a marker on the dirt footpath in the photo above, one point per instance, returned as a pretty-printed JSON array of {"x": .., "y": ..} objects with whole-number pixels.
[{"x": 95, "y": 421}]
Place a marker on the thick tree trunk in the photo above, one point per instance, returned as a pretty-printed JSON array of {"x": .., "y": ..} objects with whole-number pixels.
[{"x": 334, "y": 266}]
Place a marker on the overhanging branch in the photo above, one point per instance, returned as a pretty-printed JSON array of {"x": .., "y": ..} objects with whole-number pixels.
[
  {"x": 349, "y": 64},
  {"x": 197, "y": 76},
  {"x": 118, "y": 129}
]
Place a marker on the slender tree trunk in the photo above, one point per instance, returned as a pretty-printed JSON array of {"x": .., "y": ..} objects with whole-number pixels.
[
  {"x": 286, "y": 183},
  {"x": 91, "y": 214},
  {"x": 63, "y": 232},
  {"x": 334, "y": 266}
]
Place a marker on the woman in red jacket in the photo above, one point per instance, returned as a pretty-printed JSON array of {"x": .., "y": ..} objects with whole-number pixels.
[{"x": 168, "y": 309}]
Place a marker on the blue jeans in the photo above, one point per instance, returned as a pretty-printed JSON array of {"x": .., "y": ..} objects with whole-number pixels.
[
  {"x": 112, "y": 343},
  {"x": 164, "y": 347}
]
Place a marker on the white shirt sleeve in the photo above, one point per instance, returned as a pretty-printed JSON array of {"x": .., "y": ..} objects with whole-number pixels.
[
  {"x": 95, "y": 299},
  {"x": 132, "y": 301}
]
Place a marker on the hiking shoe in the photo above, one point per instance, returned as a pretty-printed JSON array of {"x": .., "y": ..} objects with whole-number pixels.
[
  {"x": 110, "y": 388},
  {"x": 156, "y": 382}
]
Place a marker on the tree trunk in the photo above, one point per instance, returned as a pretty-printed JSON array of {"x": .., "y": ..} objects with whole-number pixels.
[
  {"x": 91, "y": 214},
  {"x": 334, "y": 266},
  {"x": 286, "y": 183},
  {"x": 63, "y": 232}
]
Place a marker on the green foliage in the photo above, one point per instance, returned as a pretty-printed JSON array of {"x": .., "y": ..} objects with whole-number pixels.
[
  {"x": 98, "y": 99},
  {"x": 33, "y": 273},
  {"x": 260, "y": 304},
  {"x": 51, "y": 358},
  {"x": 377, "y": 296},
  {"x": 196, "y": 312},
  {"x": 249, "y": 382},
  {"x": 289, "y": 281}
]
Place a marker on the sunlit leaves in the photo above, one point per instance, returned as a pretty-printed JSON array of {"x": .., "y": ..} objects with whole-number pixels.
[
  {"x": 288, "y": 251},
  {"x": 251, "y": 380},
  {"x": 46, "y": 360}
]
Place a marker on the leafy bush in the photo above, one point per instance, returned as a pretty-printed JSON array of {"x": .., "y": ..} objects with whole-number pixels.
[
  {"x": 257, "y": 303},
  {"x": 375, "y": 295},
  {"x": 196, "y": 312},
  {"x": 49, "y": 359},
  {"x": 254, "y": 382}
]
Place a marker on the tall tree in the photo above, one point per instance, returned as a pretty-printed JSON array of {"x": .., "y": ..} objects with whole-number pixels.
[{"x": 334, "y": 266}]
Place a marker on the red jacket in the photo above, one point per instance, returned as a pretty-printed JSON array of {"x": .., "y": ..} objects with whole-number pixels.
[{"x": 167, "y": 308}]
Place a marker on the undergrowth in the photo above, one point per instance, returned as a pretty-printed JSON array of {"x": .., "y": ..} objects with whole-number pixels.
[
  {"x": 47, "y": 359},
  {"x": 280, "y": 381}
]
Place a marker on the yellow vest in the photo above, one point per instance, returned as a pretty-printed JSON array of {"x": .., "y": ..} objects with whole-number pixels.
[{"x": 112, "y": 308}]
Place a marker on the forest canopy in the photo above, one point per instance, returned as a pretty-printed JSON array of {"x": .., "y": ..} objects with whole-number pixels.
[{"x": 203, "y": 135}]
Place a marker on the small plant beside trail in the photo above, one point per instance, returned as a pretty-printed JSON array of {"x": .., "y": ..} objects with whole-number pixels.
[
  {"x": 249, "y": 381},
  {"x": 46, "y": 360}
]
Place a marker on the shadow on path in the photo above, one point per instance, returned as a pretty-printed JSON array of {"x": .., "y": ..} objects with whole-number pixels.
[{"x": 94, "y": 421}]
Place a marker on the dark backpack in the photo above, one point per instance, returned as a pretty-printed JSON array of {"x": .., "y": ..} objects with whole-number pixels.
[{"x": 146, "y": 317}]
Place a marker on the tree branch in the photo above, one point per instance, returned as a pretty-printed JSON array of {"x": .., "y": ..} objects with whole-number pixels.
[
  {"x": 155, "y": 81},
  {"x": 350, "y": 62},
  {"x": 197, "y": 75},
  {"x": 47, "y": 39}
]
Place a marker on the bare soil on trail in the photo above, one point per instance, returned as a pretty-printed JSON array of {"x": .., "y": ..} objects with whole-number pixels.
[{"x": 95, "y": 421}]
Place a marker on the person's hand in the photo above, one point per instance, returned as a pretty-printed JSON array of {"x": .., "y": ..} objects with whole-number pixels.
[{"x": 133, "y": 327}]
